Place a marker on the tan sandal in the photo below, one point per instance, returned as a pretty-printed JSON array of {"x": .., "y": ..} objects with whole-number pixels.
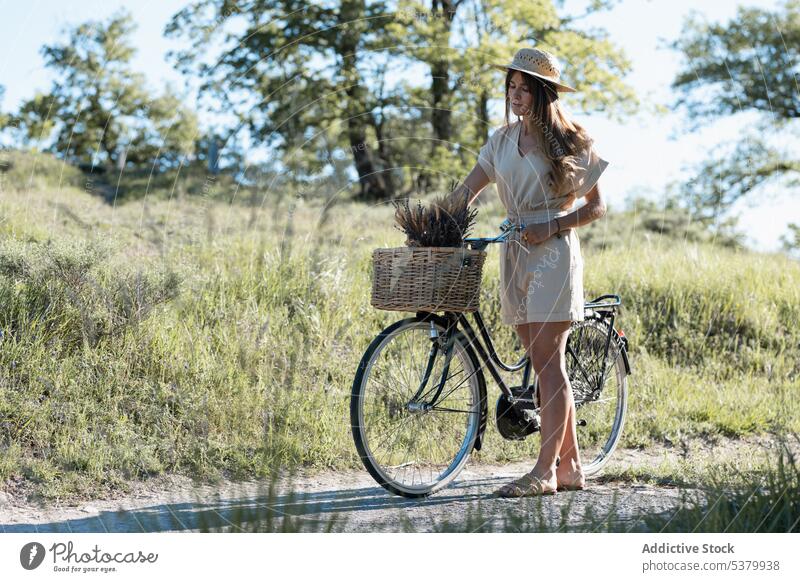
[{"x": 525, "y": 486}]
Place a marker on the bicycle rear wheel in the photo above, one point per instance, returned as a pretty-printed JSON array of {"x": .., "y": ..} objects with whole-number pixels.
[
  {"x": 409, "y": 448},
  {"x": 600, "y": 391}
]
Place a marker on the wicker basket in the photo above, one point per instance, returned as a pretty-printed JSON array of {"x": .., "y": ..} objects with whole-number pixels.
[{"x": 427, "y": 278}]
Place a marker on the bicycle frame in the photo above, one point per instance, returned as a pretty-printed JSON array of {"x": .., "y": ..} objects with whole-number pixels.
[{"x": 488, "y": 354}]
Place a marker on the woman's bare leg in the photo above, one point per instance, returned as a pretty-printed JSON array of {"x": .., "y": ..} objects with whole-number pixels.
[
  {"x": 569, "y": 472},
  {"x": 546, "y": 342}
]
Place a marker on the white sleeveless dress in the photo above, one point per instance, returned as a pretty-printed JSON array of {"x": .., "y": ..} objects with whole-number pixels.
[{"x": 541, "y": 282}]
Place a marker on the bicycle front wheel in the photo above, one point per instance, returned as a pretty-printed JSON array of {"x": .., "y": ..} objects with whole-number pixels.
[{"x": 414, "y": 440}]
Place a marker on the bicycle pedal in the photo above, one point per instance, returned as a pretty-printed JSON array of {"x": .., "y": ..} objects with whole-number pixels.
[{"x": 533, "y": 420}]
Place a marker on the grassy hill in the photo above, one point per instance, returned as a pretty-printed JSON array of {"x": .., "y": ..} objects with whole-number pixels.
[
  {"x": 34, "y": 172},
  {"x": 189, "y": 334}
]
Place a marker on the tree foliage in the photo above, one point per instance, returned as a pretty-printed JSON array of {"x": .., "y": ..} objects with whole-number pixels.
[
  {"x": 3, "y": 116},
  {"x": 98, "y": 109},
  {"x": 747, "y": 65},
  {"x": 790, "y": 242}
]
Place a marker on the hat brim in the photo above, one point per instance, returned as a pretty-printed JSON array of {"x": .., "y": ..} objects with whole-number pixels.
[{"x": 559, "y": 86}]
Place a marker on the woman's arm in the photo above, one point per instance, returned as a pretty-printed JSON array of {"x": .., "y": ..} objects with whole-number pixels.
[
  {"x": 474, "y": 183},
  {"x": 594, "y": 208}
]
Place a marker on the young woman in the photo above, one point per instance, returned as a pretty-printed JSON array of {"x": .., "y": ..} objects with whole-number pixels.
[{"x": 541, "y": 165}]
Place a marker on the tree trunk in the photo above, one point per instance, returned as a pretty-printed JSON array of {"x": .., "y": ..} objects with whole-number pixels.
[
  {"x": 385, "y": 156},
  {"x": 372, "y": 182},
  {"x": 443, "y": 11},
  {"x": 440, "y": 93},
  {"x": 483, "y": 116}
]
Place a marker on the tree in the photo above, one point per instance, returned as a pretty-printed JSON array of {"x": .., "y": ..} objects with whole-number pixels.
[
  {"x": 169, "y": 134},
  {"x": 458, "y": 39},
  {"x": 34, "y": 121},
  {"x": 304, "y": 76},
  {"x": 747, "y": 65},
  {"x": 297, "y": 66},
  {"x": 98, "y": 108},
  {"x": 3, "y": 116}
]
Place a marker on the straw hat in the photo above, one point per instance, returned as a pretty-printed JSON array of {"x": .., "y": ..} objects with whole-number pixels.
[{"x": 538, "y": 63}]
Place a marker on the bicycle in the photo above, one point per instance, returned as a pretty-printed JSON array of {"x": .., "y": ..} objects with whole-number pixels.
[{"x": 414, "y": 439}]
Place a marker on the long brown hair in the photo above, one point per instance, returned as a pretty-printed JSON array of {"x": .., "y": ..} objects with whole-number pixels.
[{"x": 564, "y": 139}]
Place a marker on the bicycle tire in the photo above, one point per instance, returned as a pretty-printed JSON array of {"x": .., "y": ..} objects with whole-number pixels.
[
  {"x": 364, "y": 432},
  {"x": 587, "y": 339}
]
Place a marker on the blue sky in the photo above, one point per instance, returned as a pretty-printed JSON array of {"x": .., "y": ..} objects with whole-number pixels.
[{"x": 645, "y": 152}]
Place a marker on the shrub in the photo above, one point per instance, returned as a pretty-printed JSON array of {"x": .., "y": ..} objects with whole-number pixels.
[{"x": 72, "y": 294}]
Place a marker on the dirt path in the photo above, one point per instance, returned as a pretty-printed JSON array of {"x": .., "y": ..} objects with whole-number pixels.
[
  {"x": 175, "y": 504},
  {"x": 354, "y": 496}
]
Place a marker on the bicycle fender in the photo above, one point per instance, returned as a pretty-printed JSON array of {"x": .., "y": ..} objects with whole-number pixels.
[
  {"x": 429, "y": 316},
  {"x": 624, "y": 345},
  {"x": 625, "y": 359}
]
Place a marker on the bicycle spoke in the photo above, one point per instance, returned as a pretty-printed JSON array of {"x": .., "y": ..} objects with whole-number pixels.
[
  {"x": 394, "y": 432},
  {"x": 389, "y": 388},
  {"x": 435, "y": 378},
  {"x": 597, "y": 401},
  {"x": 457, "y": 386},
  {"x": 441, "y": 448},
  {"x": 405, "y": 460},
  {"x": 416, "y": 379}
]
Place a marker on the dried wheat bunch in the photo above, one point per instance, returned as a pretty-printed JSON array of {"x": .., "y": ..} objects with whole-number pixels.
[{"x": 444, "y": 223}]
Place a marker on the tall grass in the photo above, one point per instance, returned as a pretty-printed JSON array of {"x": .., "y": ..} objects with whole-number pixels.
[
  {"x": 234, "y": 347},
  {"x": 741, "y": 502}
]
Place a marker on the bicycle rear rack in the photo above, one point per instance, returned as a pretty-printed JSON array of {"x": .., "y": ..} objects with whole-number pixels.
[
  {"x": 605, "y": 306},
  {"x": 608, "y": 310}
]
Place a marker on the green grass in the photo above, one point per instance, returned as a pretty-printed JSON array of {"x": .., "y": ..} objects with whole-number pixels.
[
  {"x": 216, "y": 339},
  {"x": 741, "y": 501},
  {"x": 730, "y": 499}
]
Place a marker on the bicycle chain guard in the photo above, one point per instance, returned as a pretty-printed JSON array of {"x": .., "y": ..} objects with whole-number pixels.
[{"x": 516, "y": 421}]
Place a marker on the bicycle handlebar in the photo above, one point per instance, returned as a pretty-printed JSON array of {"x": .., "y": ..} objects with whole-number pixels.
[{"x": 507, "y": 227}]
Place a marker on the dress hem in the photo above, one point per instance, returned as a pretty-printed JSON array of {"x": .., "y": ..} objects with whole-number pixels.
[{"x": 547, "y": 317}]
